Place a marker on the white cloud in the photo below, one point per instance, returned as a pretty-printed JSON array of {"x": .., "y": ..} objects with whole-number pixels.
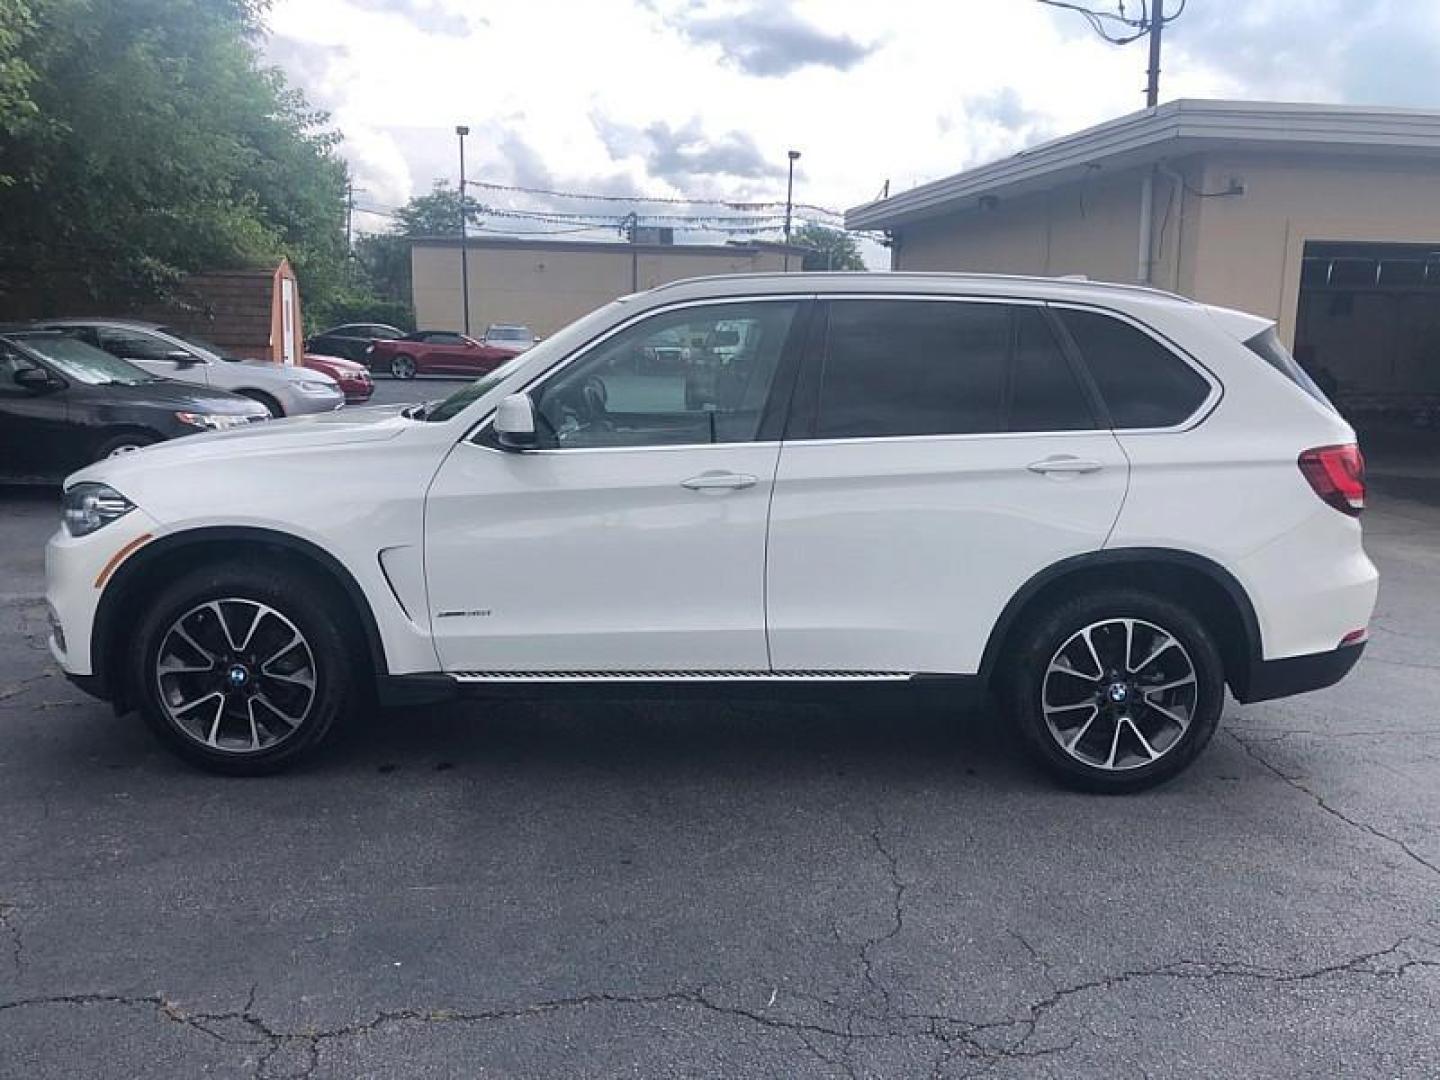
[{"x": 655, "y": 95}]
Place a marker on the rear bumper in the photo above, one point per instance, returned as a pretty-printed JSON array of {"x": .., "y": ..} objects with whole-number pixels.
[{"x": 1268, "y": 679}]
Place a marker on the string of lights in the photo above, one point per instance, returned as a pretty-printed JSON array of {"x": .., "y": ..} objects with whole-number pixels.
[{"x": 729, "y": 204}]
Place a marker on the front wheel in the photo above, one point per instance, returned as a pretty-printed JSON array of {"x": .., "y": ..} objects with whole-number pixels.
[
  {"x": 402, "y": 367},
  {"x": 1116, "y": 690},
  {"x": 242, "y": 669},
  {"x": 127, "y": 443}
]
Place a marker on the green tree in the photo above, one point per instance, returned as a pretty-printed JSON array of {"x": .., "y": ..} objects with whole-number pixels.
[
  {"x": 384, "y": 258},
  {"x": 157, "y": 143},
  {"x": 17, "y": 108},
  {"x": 828, "y": 249}
]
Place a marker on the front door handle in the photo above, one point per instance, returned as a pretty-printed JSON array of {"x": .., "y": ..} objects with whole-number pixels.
[
  {"x": 715, "y": 481},
  {"x": 1063, "y": 463}
]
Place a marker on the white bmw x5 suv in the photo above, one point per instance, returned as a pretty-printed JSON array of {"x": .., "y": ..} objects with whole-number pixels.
[{"x": 1106, "y": 503}]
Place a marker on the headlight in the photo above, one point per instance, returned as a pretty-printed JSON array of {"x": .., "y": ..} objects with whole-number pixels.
[
  {"x": 316, "y": 388},
  {"x": 89, "y": 506},
  {"x": 212, "y": 421}
]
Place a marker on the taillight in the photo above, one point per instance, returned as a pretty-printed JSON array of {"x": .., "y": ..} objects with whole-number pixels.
[{"x": 1337, "y": 473}]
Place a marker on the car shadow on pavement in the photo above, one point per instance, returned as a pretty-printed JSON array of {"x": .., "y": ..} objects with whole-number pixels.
[{"x": 882, "y": 735}]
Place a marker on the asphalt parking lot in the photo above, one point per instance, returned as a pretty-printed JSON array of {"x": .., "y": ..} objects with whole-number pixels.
[{"x": 861, "y": 888}]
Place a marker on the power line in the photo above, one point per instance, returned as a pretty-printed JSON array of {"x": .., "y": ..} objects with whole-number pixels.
[{"x": 730, "y": 204}]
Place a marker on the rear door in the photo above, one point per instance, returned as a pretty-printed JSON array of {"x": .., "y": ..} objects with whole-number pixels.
[{"x": 942, "y": 452}]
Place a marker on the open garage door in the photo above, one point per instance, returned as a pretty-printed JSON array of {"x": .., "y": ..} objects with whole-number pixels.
[{"x": 1368, "y": 328}]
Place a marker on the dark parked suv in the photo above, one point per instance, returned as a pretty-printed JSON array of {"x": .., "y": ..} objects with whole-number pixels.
[{"x": 65, "y": 404}]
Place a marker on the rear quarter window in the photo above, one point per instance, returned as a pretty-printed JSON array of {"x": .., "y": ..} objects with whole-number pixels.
[
  {"x": 1269, "y": 348},
  {"x": 1143, "y": 383}
]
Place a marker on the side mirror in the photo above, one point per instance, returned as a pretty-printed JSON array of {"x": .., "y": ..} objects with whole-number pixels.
[
  {"x": 515, "y": 423},
  {"x": 182, "y": 358},
  {"x": 36, "y": 380}
]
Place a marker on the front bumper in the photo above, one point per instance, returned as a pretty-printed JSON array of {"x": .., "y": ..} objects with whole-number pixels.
[
  {"x": 77, "y": 569},
  {"x": 298, "y": 404},
  {"x": 357, "y": 393},
  {"x": 1268, "y": 679}
]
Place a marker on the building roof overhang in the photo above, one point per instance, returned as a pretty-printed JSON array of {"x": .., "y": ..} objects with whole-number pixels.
[{"x": 1172, "y": 130}]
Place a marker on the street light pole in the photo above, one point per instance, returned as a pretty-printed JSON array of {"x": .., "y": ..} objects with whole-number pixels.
[
  {"x": 461, "y": 130},
  {"x": 794, "y": 156}
]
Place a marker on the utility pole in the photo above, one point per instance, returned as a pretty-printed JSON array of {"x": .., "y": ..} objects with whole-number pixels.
[
  {"x": 349, "y": 217},
  {"x": 461, "y": 131},
  {"x": 794, "y": 156},
  {"x": 1155, "y": 28}
]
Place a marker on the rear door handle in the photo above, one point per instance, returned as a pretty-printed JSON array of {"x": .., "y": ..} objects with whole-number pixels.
[
  {"x": 1063, "y": 463},
  {"x": 715, "y": 481}
]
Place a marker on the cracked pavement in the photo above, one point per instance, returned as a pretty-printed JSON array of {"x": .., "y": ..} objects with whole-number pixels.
[{"x": 871, "y": 887}]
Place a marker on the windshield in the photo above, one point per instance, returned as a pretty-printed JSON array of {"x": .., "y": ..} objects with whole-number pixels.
[
  {"x": 84, "y": 363},
  {"x": 191, "y": 339},
  {"x": 444, "y": 410},
  {"x": 508, "y": 333}
]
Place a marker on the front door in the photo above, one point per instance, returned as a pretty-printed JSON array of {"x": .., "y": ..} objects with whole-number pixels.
[
  {"x": 36, "y": 441},
  {"x": 942, "y": 453},
  {"x": 635, "y": 541}
]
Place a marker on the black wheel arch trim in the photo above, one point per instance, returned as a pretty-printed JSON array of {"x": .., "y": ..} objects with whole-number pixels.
[
  {"x": 1120, "y": 557},
  {"x": 116, "y": 589}
]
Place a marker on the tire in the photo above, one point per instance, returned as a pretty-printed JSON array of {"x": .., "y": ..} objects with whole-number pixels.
[
  {"x": 296, "y": 693},
  {"x": 277, "y": 411},
  {"x": 124, "y": 444},
  {"x": 1146, "y": 721},
  {"x": 402, "y": 366}
]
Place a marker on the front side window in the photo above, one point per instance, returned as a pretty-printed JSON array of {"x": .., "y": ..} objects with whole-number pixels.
[
  {"x": 1143, "y": 384},
  {"x": 12, "y": 362},
  {"x": 919, "y": 367},
  {"x": 133, "y": 345},
  {"x": 696, "y": 375}
]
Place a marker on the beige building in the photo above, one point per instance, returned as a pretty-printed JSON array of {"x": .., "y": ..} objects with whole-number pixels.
[
  {"x": 1325, "y": 218},
  {"x": 545, "y": 284}
]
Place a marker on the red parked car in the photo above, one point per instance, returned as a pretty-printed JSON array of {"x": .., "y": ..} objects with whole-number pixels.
[
  {"x": 354, "y": 379},
  {"x": 435, "y": 352}
]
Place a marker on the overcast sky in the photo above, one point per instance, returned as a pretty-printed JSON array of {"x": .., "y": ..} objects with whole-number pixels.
[{"x": 703, "y": 99}]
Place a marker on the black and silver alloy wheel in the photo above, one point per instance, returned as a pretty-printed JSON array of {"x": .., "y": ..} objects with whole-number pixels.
[
  {"x": 1115, "y": 689},
  {"x": 235, "y": 675},
  {"x": 402, "y": 367},
  {"x": 243, "y": 667},
  {"x": 1119, "y": 694}
]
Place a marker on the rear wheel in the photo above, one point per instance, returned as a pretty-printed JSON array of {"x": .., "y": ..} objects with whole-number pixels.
[
  {"x": 242, "y": 669},
  {"x": 1116, "y": 690},
  {"x": 402, "y": 366}
]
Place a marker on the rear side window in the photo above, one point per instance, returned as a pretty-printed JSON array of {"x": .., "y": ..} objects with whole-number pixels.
[
  {"x": 1143, "y": 384},
  {"x": 1268, "y": 347},
  {"x": 915, "y": 367}
]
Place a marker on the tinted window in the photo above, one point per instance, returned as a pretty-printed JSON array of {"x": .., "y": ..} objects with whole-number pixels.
[
  {"x": 444, "y": 338},
  {"x": 1144, "y": 384},
  {"x": 11, "y": 363},
  {"x": 941, "y": 368},
  {"x": 1269, "y": 348},
  {"x": 697, "y": 375},
  {"x": 1045, "y": 394},
  {"x": 135, "y": 345}
]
